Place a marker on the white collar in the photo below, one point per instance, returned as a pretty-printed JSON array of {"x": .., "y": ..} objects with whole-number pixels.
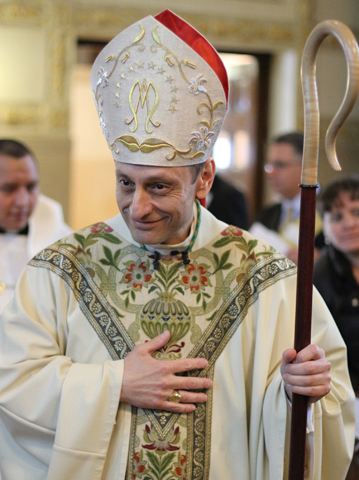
[{"x": 293, "y": 203}]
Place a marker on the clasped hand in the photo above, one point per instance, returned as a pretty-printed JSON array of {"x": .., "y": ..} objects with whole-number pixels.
[
  {"x": 306, "y": 372},
  {"x": 147, "y": 382}
]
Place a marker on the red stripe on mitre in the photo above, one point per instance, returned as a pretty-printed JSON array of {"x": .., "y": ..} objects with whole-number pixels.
[{"x": 197, "y": 42}]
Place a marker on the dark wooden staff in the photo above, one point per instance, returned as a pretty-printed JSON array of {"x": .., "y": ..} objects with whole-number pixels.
[{"x": 307, "y": 205}]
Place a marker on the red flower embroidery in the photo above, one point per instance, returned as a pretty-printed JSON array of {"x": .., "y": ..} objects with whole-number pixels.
[
  {"x": 196, "y": 277},
  {"x": 101, "y": 227},
  {"x": 137, "y": 275},
  {"x": 231, "y": 230},
  {"x": 159, "y": 443},
  {"x": 138, "y": 466},
  {"x": 180, "y": 469}
]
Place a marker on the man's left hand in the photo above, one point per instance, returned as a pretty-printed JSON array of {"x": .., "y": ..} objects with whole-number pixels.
[{"x": 306, "y": 372}]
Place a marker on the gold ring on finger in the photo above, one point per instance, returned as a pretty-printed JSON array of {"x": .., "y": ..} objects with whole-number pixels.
[{"x": 175, "y": 397}]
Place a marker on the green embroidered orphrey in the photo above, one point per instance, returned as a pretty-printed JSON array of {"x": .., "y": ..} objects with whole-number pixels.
[{"x": 202, "y": 304}]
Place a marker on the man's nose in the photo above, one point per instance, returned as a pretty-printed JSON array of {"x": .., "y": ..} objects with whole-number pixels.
[
  {"x": 141, "y": 204},
  {"x": 22, "y": 197}
]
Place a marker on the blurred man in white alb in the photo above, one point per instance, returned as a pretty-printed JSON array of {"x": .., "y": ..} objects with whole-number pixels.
[{"x": 29, "y": 221}]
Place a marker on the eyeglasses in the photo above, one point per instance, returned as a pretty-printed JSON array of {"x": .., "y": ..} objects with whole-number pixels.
[{"x": 278, "y": 165}]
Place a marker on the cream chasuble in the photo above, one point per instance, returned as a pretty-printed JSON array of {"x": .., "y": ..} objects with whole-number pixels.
[{"x": 83, "y": 303}]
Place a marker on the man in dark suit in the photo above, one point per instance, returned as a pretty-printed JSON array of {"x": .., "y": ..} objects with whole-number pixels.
[
  {"x": 283, "y": 170},
  {"x": 227, "y": 203}
]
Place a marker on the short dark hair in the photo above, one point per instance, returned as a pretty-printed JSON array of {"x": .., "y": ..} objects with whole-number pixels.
[
  {"x": 15, "y": 149},
  {"x": 296, "y": 139},
  {"x": 329, "y": 197},
  {"x": 196, "y": 170}
]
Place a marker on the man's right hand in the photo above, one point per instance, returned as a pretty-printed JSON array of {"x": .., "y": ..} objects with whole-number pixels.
[{"x": 147, "y": 383}]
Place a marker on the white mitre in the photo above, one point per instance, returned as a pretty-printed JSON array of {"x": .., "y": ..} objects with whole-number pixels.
[{"x": 161, "y": 96}]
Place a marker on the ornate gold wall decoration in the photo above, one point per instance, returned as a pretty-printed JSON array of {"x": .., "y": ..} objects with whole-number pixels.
[
  {"x": 20, "y": 12},
  {"x": 22, "y": 116},
  {"x": 250, "y": 32},
  {"x": 66, "y": 21},
  {"x": 94, "y": 20}
]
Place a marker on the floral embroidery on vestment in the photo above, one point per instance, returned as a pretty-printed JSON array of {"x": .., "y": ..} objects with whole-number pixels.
[{"x": 202, "y": 304}]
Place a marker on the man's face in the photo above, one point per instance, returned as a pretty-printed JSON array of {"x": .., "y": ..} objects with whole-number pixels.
[
  {"x": 19, "y": 188},
  {"x": 283, "y": 169},
  {"x": 157, "y": 202}
]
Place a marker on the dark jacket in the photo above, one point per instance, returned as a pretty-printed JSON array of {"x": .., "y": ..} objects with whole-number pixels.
[
  {"x": 334, "y": 279},
  {"x": 270, "y": 218},
  {"x": 228, "y": 204}
]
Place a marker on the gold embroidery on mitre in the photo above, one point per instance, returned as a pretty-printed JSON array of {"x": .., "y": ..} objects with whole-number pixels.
[
  {"x": 170, "y": 54},
  {"x": 145, "y": 92},
  {"x": 143, "y": 97},
  {"x": 104, "y": 76},
  {"x": 150, "y": 144}
]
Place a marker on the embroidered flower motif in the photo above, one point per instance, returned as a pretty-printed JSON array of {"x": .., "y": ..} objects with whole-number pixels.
[
  {"x": 201, "y": 139},
  {"x": 247, "y": 291},
  {"x": 197, "y": 472},
  {"x": 88, "y": 297},
  {"x": 104, "y": 320},
  {"x": 273, "y": 269},
  {"x": 242, "y": 300},
  {"x": 199, "y": 457},
  {"x": 96, "y": 308},
  {"x": 57, "y": 259},
  {"x": 137, "y": 276},
  {"x": 233, "y": 310},
  {"x": 119, "y": 344},
  {"x": 196, "y": 278},
  {"x": 138, "y": 466},
  {"x": 101, "y": 227},
  {"x": 75, "y": 276},
  {"x": 231, "y": 230},
  {"x": 112, "y": 332},
  {"x": 104, "y": 127},
  {"x": 211, "y": 346},
  {"x": 225, "y": 323},
  {"x": 195, "y": 85},
  {"x": 180, "y": 467},
  {"x": 199, "y": 442},
  {"x": 83, "y": 286},
  {"x": 46, "y": 254},
  {"x": 161, "y": 444},
  {"x": 103, "y": 80},
  {"x": 217, "y": 334},
  {"x": 66, "y": 265},
  {"x": 200, "y": 426}
]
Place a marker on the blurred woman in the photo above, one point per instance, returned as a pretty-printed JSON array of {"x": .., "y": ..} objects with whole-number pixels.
[{"x": 336, "y": 273}]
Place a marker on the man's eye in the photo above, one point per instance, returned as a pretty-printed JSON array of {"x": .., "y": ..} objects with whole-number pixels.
[
  {"x": 31, "y": 187},
  {"x": 336, "y": 218},
  {"x": 8, "y": 189},
  {"x": 159, "y": 186},
  {"x": 124, "y": 182},
  {"x": 356, "y": 212}
]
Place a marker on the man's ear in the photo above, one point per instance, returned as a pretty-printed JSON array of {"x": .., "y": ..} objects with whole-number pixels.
[{"x": 205, "y": 179}]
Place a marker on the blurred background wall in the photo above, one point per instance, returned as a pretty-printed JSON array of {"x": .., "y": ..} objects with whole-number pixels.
[{"x": 46, "y": 51}]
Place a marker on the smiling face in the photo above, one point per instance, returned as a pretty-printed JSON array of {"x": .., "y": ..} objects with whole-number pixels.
[
  {"x": 341, "y": 224},
  {"x": 157, "y": 202},
  {"x": 19, "y": 188}
]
